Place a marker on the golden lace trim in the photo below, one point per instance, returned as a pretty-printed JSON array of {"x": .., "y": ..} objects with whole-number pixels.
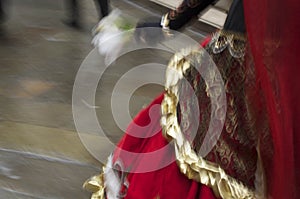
[
  {"x": 234, "y": 42},
  {"x": 190, "y": 164},
  {"x": 96, "y": 186}
]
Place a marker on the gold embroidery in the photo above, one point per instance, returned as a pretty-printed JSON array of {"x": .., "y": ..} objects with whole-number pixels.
[
  {"x": 235, "y": 150},
  {"x": 235, "y": 42},
  {"x": 234, "y": 162}
]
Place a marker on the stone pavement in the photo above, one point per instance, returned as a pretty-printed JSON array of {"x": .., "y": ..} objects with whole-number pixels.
[{"x": 41, "y": 155}]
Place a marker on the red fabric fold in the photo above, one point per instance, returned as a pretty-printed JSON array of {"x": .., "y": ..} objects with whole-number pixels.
[
  {"x": 164, "y": 183},
  {"x": 273, "y": 29}
]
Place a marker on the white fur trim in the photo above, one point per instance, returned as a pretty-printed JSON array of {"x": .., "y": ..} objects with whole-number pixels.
[{"x": 112, "y": 181}]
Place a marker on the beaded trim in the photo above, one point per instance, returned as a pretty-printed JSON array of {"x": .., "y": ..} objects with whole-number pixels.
[{"x": 234, "y": 42}]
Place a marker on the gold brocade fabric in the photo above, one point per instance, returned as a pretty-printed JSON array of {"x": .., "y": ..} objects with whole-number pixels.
[
  {"x": 230, "y": 166},
  {"x": 235, "y": 151}
]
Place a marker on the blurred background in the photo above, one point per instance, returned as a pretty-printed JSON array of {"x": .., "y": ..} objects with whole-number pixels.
[{"x": 41, "y": 155}]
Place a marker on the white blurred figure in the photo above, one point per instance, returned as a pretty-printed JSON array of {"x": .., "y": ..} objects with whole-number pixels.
[{"x": 111, "y": 34}]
